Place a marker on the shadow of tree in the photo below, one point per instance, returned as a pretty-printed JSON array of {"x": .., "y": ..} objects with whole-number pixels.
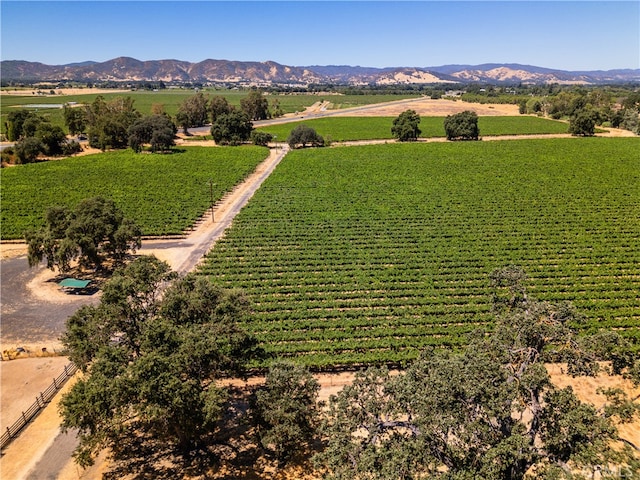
[{"x": 229, "y": 452}]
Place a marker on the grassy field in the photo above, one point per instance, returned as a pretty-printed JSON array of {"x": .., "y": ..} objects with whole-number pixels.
[
  {"x": 165, "y": 194},
  {"x": 340, "y": 129},
  {"x": 370, "y": 253}
]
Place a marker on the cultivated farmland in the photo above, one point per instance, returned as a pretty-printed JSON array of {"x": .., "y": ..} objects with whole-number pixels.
[
  {"x": 165, "y": 194},
  {"x": 370, "y": 253},
  {"x": 342, "y": 129}
]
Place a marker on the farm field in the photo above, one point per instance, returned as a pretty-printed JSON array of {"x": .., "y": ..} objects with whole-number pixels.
[
  {"x": 171, "y": 100},
  {"x": 341, "y": 129},
  {"x": 165, "y": 194},
  {"x": 370, "y": 253}
]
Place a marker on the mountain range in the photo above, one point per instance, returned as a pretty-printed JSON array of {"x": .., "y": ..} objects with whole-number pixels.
[{"x": 126, "y": 69}]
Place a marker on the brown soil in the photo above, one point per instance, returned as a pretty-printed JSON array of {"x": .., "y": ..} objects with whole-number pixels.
[{"x": 427, "y": 107}]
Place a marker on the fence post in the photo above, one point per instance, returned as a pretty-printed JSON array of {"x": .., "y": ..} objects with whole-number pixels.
[{"x": 55, "y": 384}]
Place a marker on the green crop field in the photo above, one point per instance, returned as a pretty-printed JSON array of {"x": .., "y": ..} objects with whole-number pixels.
[
  {"x": 342, "y": 129},
  {"x": 165, "y": 194},
  {"x": 370, "y": 253}
]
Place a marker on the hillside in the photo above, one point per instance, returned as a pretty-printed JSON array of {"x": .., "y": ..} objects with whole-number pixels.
[{"x": 124, "y": 69}]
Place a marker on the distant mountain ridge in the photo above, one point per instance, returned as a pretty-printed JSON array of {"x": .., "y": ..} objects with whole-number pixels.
[{"x": 123, "y": 69}]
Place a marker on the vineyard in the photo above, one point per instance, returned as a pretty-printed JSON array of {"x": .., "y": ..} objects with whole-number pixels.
[
  {"x": 371, "y": 253},
  {"x": 342, "y": 129},
  {"x": 165, "y": 194}
]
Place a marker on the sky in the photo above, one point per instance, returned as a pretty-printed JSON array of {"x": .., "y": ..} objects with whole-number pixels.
[{"x": 571, "y": 35}]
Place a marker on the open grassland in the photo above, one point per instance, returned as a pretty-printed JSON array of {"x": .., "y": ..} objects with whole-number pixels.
[
  {"x": 370, "y": 253},
  {"x": 341, "y": 129},
  {"x": 164, "y": 193}
]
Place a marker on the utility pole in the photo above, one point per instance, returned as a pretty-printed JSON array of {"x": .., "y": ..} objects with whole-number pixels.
[{"x": 211, "y": 195}]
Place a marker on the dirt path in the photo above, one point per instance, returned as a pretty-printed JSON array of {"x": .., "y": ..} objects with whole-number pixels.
[{"x": 184, "y": 254}]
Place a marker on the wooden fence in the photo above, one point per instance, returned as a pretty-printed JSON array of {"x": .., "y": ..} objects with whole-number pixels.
[{"x": 41, "y": 401}]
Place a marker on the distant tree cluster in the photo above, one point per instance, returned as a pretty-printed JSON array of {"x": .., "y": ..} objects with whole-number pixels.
[
  {"x": 587, "y": 109},
  {"x": 34, "y": 135}
]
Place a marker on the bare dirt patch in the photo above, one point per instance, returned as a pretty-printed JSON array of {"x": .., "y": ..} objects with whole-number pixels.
[
  {"x": 22, "y": 380},
  {"x": 427, "y": 107}
]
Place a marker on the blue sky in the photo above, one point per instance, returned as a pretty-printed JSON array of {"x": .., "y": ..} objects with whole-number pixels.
[{"x": 572, "y": 35}]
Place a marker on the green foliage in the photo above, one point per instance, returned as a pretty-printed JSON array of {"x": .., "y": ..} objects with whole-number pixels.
[
  {"x": 255, "y": 105},
  {"x": 75, "y": 118},
  {"x": 93, "y": 232},
  {"x": 582, "y": 123},
  {"x": 52, "y": 138},
  {"x": 261, "y": 138},
  {"x": 151, "y": 362},
  {"x": 164, "y": 193},
  {"x": 285, "y": 410},
  {"x": 15, "y": 123},
  {"x": 219, "y": 105},
  {"x": 369, "y": 254},
  {"x": 405, "y": 126},
  {"x": 27, "y": 150},
  {"x": 109, "y": 121},
  {"x": 156, "y": 130},
  {"x": 462, "y": 126},
  {"x": 193, "y": 112},
  {"x": 487, "y": 412},
  {"x": 303, "y": 135},
  {"x": 232, "y": 128}
]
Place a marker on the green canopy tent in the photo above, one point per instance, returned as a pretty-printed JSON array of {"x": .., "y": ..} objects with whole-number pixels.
[{"x": 73, "y": 285}]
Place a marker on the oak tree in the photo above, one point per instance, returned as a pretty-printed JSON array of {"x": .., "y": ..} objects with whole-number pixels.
[
  {"x": 405, "y": 126},
  {"x": 193, "y": 112},
  {"x": 462, "y": 126},
  {"x": 255, "y": 105},
  {"x": 303, "y": 135},
  {"x": 151, "y": 362},
  {"x": 489, "y": 411},
  {"x": 156, "y": 130},
  {"x": 285, "y": 410},
  {"x": 92, "y": 232},
  {"x": 232, "y": 128}
]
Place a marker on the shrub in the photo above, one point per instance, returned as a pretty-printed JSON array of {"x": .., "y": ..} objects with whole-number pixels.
[{"x": 261, "y": 138}]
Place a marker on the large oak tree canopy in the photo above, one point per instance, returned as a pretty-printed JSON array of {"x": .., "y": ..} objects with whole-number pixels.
[{"x": 92, "y": 232}]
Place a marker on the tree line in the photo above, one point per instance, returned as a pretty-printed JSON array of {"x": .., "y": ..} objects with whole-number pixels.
[{"x": 117, "y": 124}]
